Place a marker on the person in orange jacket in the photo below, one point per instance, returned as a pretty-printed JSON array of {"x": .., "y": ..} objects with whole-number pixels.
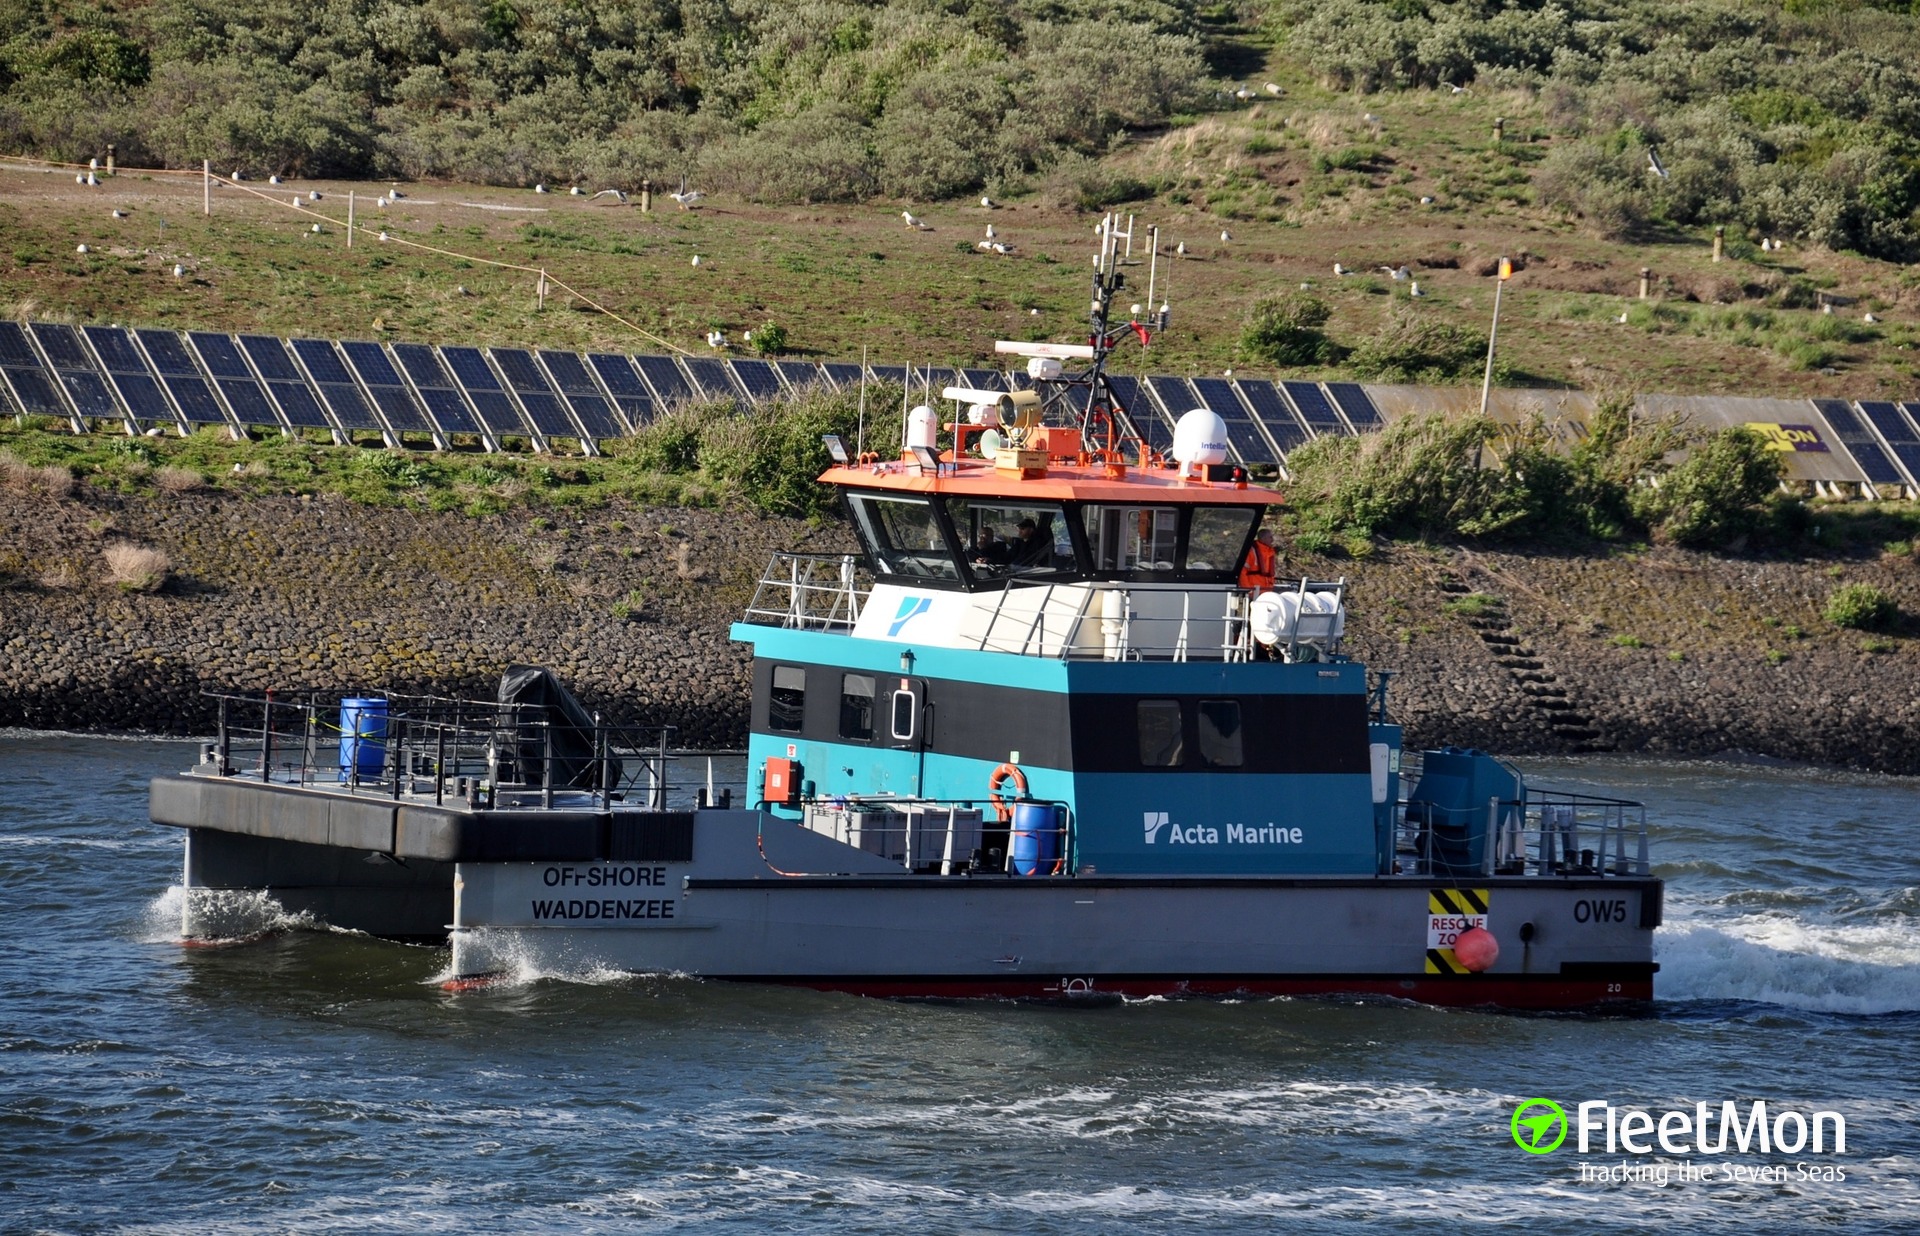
[{"x": 1262, "y": 564}]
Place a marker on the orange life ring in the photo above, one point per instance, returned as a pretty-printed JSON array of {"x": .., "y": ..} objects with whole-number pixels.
[{"x": 1001, "y": 811}]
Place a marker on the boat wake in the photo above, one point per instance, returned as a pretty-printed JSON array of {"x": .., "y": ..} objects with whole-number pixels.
[
  {"x": 214, "y": 918},
  {"x": 1862, "y": 968}
]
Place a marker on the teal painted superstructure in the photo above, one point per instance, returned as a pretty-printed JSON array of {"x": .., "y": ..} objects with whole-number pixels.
[{"x": 1141, "y": 821}]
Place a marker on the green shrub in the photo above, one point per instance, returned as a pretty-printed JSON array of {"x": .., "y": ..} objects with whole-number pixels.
[
  {"x": 1860, "y": 607},
  {"x": 1714, "y": 496},
  {"x": 770, "y": 339},
  {"x": 1415, "y": 347},
  {"x": 1284, "y": 329}
]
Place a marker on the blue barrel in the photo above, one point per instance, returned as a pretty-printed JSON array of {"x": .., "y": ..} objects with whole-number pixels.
[
  {"x": 363, "y": 739},
  {"x": 1035, "y": 845}
]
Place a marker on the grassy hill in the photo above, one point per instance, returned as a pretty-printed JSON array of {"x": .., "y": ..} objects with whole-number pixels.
[{"x": 1367, "y": 136}]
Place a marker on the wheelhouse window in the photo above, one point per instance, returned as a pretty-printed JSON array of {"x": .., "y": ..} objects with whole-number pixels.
[
  {"x": 1142, "y": 541},
  {"x": 856, "y": 707},
  {"x": 903, "y": 536},
  {"x": 787, "y": 702},
  {"x": 1217, "y": 541},
  {"x": 1219, "y": 733},
  {"x": 1162, "y": 742},
  {"x": 1013, "y": 540}
]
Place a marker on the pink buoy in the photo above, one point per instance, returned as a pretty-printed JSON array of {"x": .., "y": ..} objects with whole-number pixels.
[{"x": 1476, "y": 949}]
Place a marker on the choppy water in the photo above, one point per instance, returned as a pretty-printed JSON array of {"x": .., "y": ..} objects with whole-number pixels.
[{"x": 319, "y": 1081}]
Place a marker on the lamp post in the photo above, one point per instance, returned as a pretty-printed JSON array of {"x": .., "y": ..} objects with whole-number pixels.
[{"x": 1486, "y": 383}]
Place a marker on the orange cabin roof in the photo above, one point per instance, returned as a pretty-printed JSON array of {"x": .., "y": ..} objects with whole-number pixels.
[{"x": 1062, "y": 482}]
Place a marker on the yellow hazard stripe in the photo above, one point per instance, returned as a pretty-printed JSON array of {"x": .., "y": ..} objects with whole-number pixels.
[
  {"x": 1442, "y": 961},
  {"x": 1458, "y": 900}
]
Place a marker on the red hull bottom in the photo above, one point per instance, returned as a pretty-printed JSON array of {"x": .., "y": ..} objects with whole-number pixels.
[{"x": 1542, "y": 994}]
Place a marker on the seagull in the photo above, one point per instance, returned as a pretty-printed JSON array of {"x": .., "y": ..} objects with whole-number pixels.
[
  {"x": 1225, "y": 236},
  {"x": 746, "y": 336},
  {"x": 394, "y": 194},
  {"x": 686, "y": 197},
  {"x": 574, "y": 191},
  {"x": 298, "y": 202},
  {"x": 1826, "y": 306},
  {"x": 988, "y": 203},
  {"x": 1425, "y": 200},
  {"x": 273, "y": 180},
  {"x": 1338, "y": 269},
  {"x": 1243, "y": 94},
  {"x": 238, "y": 177},
  {"x": 1653, "y": 164},
  {"x": 461, "y": 290},
  {"x": 1002, "y": 249},
  {"x": 1457, "y": 89},
  {"x": 1180, "y": 250},
  {"x": 1413, "y": 288},
  {"x": 1370, "y": 118},
  {"x": 915, "y": 222},
  {"x": 696, "y": 259},
  {"x": 80, "y": 249},
  {"x": 1869, "y": 318},
  {"x": 93, "y": 165},
  {"x": 1622, "y": 319},
  {"x": 1399, "y": 273},
  {"x": 716, "y": 339},
  {"x": 990, "y": 232},
  {"x": 539, "y": 188},
  {"x": 119, "y": 214},
  {"x": 615, "y": 194},
  {"x": 983, "y": 245},
  {"x": 315, "y": 229},
  {"x": 79, "y": 178},
  {"x": 385, "y": 236},
  {"x": 313, "y": 195},
  {"x": 92, "y": 179},
  {"x": 1273, "y": 89}
]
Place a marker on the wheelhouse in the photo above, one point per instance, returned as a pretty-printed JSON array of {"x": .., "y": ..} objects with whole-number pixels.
[{"x": 982, "y": 542}]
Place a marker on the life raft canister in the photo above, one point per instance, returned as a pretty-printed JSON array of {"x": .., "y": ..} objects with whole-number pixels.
[{"x": 1000, "y": 776}]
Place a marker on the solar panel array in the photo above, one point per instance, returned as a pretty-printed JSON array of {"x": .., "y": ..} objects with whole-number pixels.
[{"x": 95, "y": 376}]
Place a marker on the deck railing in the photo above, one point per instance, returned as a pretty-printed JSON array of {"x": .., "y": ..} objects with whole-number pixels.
[
  {"x": 1549, "y": 832},
  {"x": 822, "y": 592},
  {"x": 431, "y": 747}
]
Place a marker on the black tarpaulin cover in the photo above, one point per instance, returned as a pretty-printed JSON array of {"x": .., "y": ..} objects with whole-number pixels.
[{"x": 539, "y": 696}]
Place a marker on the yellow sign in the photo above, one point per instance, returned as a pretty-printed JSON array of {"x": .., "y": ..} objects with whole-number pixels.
[
  {"x": 1787, "y": 438},
  {"x": 1451, "y": 911},
  {"x": 1506, "y": 268}
]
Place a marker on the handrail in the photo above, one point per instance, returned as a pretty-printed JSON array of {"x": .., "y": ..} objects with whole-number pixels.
[
  {"x": 1545, "y": 832},
  {"x": 482, "y": 751},
  {"x": 792, "y": 593}
]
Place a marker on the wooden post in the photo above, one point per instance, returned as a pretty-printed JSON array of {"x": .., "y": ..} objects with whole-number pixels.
[
  {"x": 1719, "y": 240},
  {"x": 349, "y": 218},
  {"x": 1646, "y": 281},
  {"x": 540, "y": 289},
  {"x": 1499, "y": 129},
  {"x": 646, "y": 196},
  {"x": 109, "y": 158},
  {"x": 206, "y": 186}
]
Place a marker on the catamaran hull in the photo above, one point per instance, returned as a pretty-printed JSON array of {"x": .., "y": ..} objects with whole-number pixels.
[
  {"x": 1576, "y": 943},
  {"x": 744, "y": 896}
]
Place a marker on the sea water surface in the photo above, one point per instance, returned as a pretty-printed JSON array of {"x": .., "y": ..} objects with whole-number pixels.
[{"x": 317, "y": 1081}]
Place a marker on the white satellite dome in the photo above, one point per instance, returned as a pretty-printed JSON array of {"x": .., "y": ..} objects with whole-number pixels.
[
  {"x": 1200, "y": 437},
  {"x": 923, "y": 427}
]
